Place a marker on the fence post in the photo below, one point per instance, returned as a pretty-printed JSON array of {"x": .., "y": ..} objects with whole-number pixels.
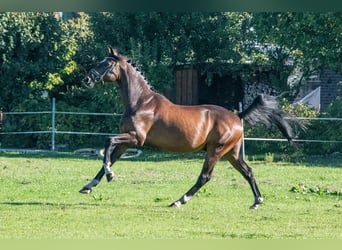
[
  {"x": 243, "y": 136},
  {"x": 53, "y": 125}
]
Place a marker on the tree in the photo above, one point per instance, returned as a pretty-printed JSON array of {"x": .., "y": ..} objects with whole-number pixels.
[
  {"x": 38, "y": 55},
  {"x": 34, "y": 54},
  {"x": 158, "y": 41},
  {"x": 312, "y": 40}
]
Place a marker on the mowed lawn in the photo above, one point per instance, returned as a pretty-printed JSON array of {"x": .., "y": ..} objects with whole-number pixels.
[{"x": 39, "y": 199}]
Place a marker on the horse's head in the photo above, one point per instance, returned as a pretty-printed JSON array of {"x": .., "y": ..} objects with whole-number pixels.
[{"x": 108, "y": 70}]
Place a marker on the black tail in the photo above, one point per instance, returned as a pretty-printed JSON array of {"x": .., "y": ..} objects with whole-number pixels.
[{"x": 265, "y": 109}]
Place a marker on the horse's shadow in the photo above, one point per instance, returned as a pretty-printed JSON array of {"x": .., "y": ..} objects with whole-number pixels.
[
  {"x": 52, "y": 204},
  {"x": 82, "y": 205}
]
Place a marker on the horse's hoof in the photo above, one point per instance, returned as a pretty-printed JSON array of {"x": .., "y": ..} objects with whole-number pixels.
[
  {"x": 176, "y": 204},
  {"x": 110, "y": 177},
  {"x": 256, "y": 204},
  {"x": 85, "y": 190}
]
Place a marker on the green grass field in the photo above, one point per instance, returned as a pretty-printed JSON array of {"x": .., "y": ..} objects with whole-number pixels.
[{"x": 39, "y": 199}]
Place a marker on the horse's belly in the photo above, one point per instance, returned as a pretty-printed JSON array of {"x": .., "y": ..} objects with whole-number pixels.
[
  {"x": 177, "y": 147},
  {"x": 174, "y": 140}
]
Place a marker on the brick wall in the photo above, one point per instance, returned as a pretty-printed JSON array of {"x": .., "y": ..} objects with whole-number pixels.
[{"x": 331, "y": 87}]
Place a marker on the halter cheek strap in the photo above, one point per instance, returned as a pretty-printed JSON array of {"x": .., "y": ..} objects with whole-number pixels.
[{"x": 99, "y": 77}]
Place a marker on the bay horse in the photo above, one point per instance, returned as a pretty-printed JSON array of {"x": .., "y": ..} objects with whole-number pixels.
[{"x": 151, "y": 119}]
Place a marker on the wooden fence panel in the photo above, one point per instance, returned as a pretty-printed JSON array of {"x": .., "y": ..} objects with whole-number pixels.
[{"x": 186, "y": 86}]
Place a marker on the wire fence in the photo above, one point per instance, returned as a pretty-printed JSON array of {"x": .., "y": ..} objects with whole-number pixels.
[{"x": 53, "y": 131}]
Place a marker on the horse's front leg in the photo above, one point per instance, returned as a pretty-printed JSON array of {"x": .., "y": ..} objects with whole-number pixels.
[
  {"x": 93, "y": 183},
  {"x": 115, "y": 146}
]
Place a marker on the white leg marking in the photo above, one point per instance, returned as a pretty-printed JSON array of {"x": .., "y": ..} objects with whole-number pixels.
[
  {"x": 107, "y": 168},
  {"x": 185, "y": 199},
  {"x": 177, "y": 204}
]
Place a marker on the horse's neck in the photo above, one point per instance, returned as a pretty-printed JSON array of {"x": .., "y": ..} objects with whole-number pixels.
[{"x": 134, "y": 88}]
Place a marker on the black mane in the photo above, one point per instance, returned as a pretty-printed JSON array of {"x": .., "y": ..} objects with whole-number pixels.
[{"x": 138, "y": 67}]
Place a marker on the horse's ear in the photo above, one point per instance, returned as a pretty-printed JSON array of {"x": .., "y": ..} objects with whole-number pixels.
[{"x": 113, "y": 53}]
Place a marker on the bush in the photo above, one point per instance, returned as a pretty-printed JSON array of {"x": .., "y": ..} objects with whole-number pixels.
[
  {"x": 331, "y": 130},
  {"x": 26, "y": 122},
  {"x": 103, "y": 99}
]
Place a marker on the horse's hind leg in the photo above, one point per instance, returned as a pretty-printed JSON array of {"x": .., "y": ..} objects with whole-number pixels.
[{"x": 246, "y": 171}]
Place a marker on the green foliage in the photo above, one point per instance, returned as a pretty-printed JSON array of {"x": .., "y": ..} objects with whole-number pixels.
[
  {"x": 303, "y": 189},
  {"x": 42, "y": 55},
  {"x": 269, "y": 157},
  {"x": 331, "y": 130},
  {"x": 335, "y": 108},
  {"x": 312, "y": 40},
  {"x": 299, "y": 109},
  {"x": 65, "y": 122},
  {"x": 28, "y": 122},
  {"x": 33, "y": 48},
  {"x": 159, "y": 41},
  {"x": 326, "y": 130},
  {"x": 99, "y": 100}
]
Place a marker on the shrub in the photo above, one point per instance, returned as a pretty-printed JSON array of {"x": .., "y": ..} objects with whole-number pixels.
[
  {"x": 103, "y": 99},
  {"x": 332, "y": 130}
]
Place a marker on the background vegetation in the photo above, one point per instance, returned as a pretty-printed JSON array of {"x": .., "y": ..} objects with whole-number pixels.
[{"x": 42, "y": 58}]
